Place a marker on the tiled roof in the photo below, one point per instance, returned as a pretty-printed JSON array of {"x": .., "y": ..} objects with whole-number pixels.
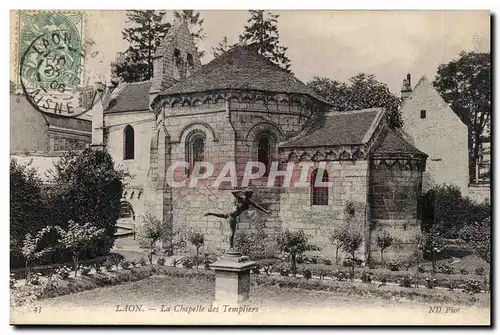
[
  {"x": 241, "y": 68},
  {"x": 338, "y": 128},
  {"x": 129, "y": 97},
  {"x": 393, "y": 143}
]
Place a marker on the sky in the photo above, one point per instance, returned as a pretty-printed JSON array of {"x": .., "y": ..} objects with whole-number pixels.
[{"x": 333, "y": 44}]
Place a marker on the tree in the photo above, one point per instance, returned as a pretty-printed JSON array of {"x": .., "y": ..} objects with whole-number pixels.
[
  {"x": 195, "y": 25},
  {"x": 465, "y": 84},
  {"x": 433, "y": 244},
  {"x": 87, "y": 188},
  {"x": 362, "y": 91},
  {"x": 337, "y": 238},
  {"x": 221, "y": 48},
  {"x": 36, "y": 247},
  {"x": 151, "y": 232},
  {"x": 478, "y": 236},
  {"x": 294, "y": 244},
  {"x": 197, "y": 239},
  {"x": 77, "y": 238},
  {"x": 350, "y": 244},
  {"x": 27, "y": 208},
  {"x": 444, "y": 205},
  {"x": 384, "y": 241},
  {"x": 262, "y": 31},
  {"x": 145, "y": 35}
]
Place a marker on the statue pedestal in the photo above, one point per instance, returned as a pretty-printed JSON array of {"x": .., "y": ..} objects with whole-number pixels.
[{"x": 232, "y": 277}]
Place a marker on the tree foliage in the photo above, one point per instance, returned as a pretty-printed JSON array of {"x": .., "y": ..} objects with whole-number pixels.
[
  {"x": 293, "y": 244},
  {"x": 222, "y": 47},
  {"x": 87, "y": 188},
  {"x": 27, "y": 208},
  {"x": 262, "y": 31},
  {"x": 197, "y": 239},
  {"x": 444, "y": 207},
  {"x": 478, "y": 236},
  {"x": 77, "y": 238},
  {"x": 153, "y": 231},
  {"x": 36, "y": 246},
  {"x": 362, "y": 91},
  {"x": 337, "y": 238},
  {"x": 351, "y": 242},
  {"x": 384, "y": 241},
  {"x": 145, "y": 34},
  {"x": 465, "y": 84}
]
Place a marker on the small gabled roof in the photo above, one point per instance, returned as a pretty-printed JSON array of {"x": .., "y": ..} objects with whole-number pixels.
[
  {"x": 339, "y": 128},
  {"x": 129, "y": 97},
  {"x": 241, "y": 68},
  {"x": 394, "y": 144}
]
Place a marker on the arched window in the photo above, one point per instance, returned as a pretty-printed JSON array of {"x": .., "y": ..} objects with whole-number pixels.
[
  {"x": 127, "y": 212},
  {"x": 195, "y": 149},
  {"x": 319, "y": 194},
  {"x": 264, "y": 151},
  {"x": 128, "y": 142}
]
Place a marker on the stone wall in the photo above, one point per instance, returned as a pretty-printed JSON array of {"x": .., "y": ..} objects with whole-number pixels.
[
  {"x": 395, "y": 193},
  {"x": 480, "y": 193}
]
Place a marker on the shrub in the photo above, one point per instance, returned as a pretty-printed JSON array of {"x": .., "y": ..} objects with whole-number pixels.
[
  {"x": 35, "y": 279},
  {"x": 340, "y": 275},
  {"x": 472, "y": 286},
  {"x": 394, "y": 266},
  {"x": 464, "y": 271},
  {"x": 267, "y": 265},
  {"x": 322, "y": 272},
  {"x": 84, "y": 270},
  {"x": 125, "y": 264},
  {"x": 351, "y": 243},
  {"x": 151, "y": 232},
  {"x": 480, "y": 271},
  {"x": 406, "y": 281},
  {"x": 446, "y": 269},
  {"x": 175, "y": 262},
  {"x": 88, "y": 188},
  {"x": 477, "y": 234},
  {"x": 160, "y": 261},
  {"x": 256, "y": 269},
  {"x": 384, "y": 241},
  {"x": 143, "y": 261},
  {"x": 421, "y": 269},
  {"x": 314, "y": 259},
  {"x": 108, "y": 265},
  {"x": 63, "y": 272},
  {"x": 284, "y": 269},
  {"x": 197, "y": 239},
  {"x": 12, "y": 281},
  {"x": 327, "y": 261},
  {"x": 430, "y": 283},
  {"x": 97, "y": 269},
  {"x": 366, "y": 277},
  {"x": 293, "y": 244},
  {"x": 133, "y": 264},
  {"x": 115, "y": 259},
  {"x": 300, "y": 259},
  {"x": 187, "y": 262},
  {"x": 307, "y": 274}
]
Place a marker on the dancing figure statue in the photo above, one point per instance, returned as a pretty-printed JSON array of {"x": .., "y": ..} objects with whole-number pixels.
[{"x": 244, "y": 201}]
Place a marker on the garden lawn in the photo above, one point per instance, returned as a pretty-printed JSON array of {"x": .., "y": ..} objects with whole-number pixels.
[{"x": 272, "y": 305}]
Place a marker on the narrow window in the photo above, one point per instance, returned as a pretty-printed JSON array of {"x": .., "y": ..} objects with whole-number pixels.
[
  {"x": 264, "y": 152},
  {"x": 195, "y": 150},
  {"x": 128, "y": 134},
  {"x": 190, "y": 60},
  {"x": 422, "y": 114},
  {"x": 319, "y": 194}
]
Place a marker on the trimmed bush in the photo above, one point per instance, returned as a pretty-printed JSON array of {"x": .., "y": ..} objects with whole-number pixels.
[
  {"x": 63, "y": 272},
  {"x": 84, "y": 270},
  {"x": 160, "y": 261},
  {"x": 472, "y": 286},
  {"x": 366, "y": 277},
  {"x": 394, "y": 266},
  {"x": 143, "y": 261},
  {"x": 430, "y": 283},
  {"x": 256, "y": 269},
  {"x": 187, "y": 262},
  {"x": 307, "y": 274},
  {"x": 446, "y": 269},
  {"x": 406, "y": 281},
  {"x": 125, "y": 265},
  {"x": 12, "y": 281}
]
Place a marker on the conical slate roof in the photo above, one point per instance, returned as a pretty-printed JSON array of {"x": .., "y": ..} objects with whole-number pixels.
[
  {"x": 394, "y": 144},
  {"x": 241, "y": 68}
]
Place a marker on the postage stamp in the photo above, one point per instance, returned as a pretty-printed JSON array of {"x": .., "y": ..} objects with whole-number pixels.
[
  {"x": 51, "y": 59},
  {"x": 251, "y": 168}
]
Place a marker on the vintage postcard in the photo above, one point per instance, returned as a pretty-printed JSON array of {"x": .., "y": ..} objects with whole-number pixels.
[{"x": 203, "y": 167}]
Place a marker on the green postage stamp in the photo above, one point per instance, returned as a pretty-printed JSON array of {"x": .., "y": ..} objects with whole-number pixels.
[{"x": 50, "y": 59}]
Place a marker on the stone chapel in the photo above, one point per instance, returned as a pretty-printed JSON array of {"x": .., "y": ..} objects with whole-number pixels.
[{"x": 241, "y": 107}]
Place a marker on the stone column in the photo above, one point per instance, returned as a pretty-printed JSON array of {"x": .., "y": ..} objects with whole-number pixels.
[{"x": 232, "y": 277}]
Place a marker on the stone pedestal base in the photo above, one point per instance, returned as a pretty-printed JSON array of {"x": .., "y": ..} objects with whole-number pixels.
[{"x": 232, "y": 277}]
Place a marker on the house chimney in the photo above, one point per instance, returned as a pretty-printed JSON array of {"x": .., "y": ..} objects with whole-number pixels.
[{"x": 406, "y": 88}]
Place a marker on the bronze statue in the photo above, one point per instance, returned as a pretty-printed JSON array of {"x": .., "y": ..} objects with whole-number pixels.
[{"x": 243, "y": 203}]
